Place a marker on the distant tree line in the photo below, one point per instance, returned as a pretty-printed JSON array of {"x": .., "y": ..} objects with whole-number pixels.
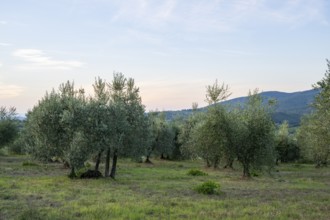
[{"x": 9, "y": 126}]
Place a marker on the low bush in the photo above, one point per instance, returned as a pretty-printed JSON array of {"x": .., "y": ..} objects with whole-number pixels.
[
  {"x": 255, "y": 173},
  {"x": 209, "y": 187},
  {"x": 195, "y": 172}
]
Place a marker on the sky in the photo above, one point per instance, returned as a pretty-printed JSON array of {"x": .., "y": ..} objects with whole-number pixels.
[{"x": 172, "y": 48}]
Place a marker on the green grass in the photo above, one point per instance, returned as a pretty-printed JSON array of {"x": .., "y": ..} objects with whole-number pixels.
[{"x": 161, "y": 191}]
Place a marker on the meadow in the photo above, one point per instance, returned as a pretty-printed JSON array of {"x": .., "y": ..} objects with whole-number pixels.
[{"x": 162, "y": 190}]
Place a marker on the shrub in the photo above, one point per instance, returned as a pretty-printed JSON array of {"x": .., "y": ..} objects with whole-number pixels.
[
  {"x": 195, "y": 172},
  {"x": 255, "y": 173},
  {"x": 208, "y": 187}
]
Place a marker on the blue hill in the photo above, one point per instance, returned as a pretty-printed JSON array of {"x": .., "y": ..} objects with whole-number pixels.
[{"x": 290, "y": 106}]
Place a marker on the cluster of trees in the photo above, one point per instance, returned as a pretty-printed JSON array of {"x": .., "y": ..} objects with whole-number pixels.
[
  {"x": 68, "y": 126},
  {"x": 73, "y": 128},
  {"x": 244, "y": 133},
  {"x": 247, "y": 134}
]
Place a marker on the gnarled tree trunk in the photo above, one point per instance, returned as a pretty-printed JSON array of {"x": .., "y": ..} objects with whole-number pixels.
[
  {"x": 114, "y": 165},
  {"x": 98, "y": 160},
  {"x": 229, "y": 164},
  {"x": 246, "y": 171},
  {"x": 107, "y": 164},
  {"x": 72, "y": 173},
  {"x": 148, "y": 159}
]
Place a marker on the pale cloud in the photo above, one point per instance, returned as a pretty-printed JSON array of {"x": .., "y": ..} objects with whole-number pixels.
[
  {"x": 166, "y": 10},
  {"x": 10, "y": 91},
  {"x": 151, "y": 13},
  {"x": 296, "y": 12},
  {"x": 237, "y": 52},
  {"x": 1, "y": 64},
  {"x": 2, "y": 44},
  {"x": 38, "y": 59},
  {"x": 3, "y": 22},
  {"x": 218, "y": 15}
]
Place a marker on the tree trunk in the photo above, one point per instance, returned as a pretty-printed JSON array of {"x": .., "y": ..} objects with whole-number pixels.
[
  {"x": 114, "y": 165},
  {"x": 246, "y": 171},
  {"x": 72, "y": 173},
  {"x": 98, "y": 160},
  {"x": 148, "y": 160},
  {"x": 107, "y": 164},
  {"x": 216, "y": 163},
  {"x": 66, "y": 165},
  {"x": 208, "y": 163},
  {"x": 229, "y": 164},
  {"x": 162, "y": 156}
]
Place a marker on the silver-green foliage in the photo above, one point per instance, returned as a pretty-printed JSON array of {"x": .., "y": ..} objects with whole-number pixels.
[
  {"x": 54, "y": 127},
  {"x": 314, "y": 133},
  {"x": 244, "y": 133},
  {"x": 210, "y": 136},
  {"x": 69, "y": 126},
  {"x": 188, "y": 148},
  {"x": 128, "y": 122},
  {"x": 254, "y": 135},
  {"x": 286, "y": 146},
  {"x": 128, "y": 117},
  {"x": 162, "y": 136},
  {"x": 216, "y": 93}
]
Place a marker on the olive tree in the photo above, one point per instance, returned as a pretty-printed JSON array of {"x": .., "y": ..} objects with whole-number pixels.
[
  {"x": 129, "y": 123},
  {"x": 54, "y": 127},
  {"x": 98, "y": 124},
  {"x": 162, "y": 135},
  {"x": 185, "y": 137},
  {"x": 210, "y": 138},
  {"x": 254, "y": 132},
  {"x": 316, "y": 125},
  {"x": 286, "y": 147},
  {"x": 311, "y": 139}
]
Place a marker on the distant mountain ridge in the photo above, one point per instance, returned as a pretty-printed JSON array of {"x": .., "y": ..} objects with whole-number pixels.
[{"x": 290, "y": 106}]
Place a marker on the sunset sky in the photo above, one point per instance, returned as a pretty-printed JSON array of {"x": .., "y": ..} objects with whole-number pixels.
[{"x": 172, "y": 48}]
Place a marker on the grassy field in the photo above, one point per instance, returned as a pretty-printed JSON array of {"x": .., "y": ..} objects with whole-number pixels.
[{"x": 161, "y": 191}]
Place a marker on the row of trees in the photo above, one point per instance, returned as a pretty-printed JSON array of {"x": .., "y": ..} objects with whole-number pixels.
[
  {"x": 68, "y": 126},
  {"x": 73, "y": 128}
]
